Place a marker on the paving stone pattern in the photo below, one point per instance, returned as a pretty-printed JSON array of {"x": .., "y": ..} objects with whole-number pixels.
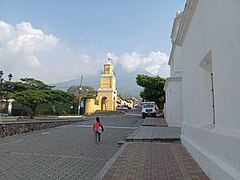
[
  {"x": 66, "y": 152},
  {"x": 155, "y": 122},
  {"x": 150, "y": 133},
  {"x": 155, "y": 161},
  {"x": 69, "y": 152},
  {"x": 19, "y": 127}
]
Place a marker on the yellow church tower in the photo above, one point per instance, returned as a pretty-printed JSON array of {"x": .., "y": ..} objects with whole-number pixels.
[{"x": 107, "y": 93}]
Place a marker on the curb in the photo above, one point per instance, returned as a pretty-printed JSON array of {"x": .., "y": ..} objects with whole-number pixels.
[
  {"x": 164, "y": 140},
  {"x": 110, "y": 163},
  {"x": 153, "y": 125}
]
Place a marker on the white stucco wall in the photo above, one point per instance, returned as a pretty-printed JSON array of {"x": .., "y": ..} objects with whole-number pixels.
[
  {"x": 214, "y": 27},
  {"x": 177, "y": 63},
  {"x": 173, "y": 105},
  {"x": 173, "y": 111}
]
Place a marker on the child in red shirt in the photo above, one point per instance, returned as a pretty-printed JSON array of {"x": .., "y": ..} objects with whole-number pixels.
[{"x": 97, "y": 129}]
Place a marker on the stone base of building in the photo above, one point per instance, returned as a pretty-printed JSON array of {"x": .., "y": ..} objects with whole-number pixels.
[
  {"x": 216, "y": 151},
  {"x": 173, "y": 123}
]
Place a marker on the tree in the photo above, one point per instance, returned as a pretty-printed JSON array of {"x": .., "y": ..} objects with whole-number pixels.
[
  {"x": 32, "y": 98},
  {"x": 153, "y": 88},
  {"x": 32, "y": 83},
  {"x": 32, "y": 93},
  {"x": 58, "y": 103},
  {"x": 75, "y": 89}
]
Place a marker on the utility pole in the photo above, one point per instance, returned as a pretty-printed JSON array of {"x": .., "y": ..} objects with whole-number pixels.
[{"x": 80, "y": 92}]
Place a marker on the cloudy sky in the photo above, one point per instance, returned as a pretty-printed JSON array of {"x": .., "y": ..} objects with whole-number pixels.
[{"x": 55, "y": 41}]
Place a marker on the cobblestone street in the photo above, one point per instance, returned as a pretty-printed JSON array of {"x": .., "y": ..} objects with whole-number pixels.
[
  {"x": 69, "y": 152},
  {"x": 66, "y": 152}
]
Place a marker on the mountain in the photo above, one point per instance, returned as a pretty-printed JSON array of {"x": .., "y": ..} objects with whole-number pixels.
[{"x": 126, "y": 82}]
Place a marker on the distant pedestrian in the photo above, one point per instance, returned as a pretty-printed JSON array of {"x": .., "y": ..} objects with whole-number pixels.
[{"x": 97, "y": 129}]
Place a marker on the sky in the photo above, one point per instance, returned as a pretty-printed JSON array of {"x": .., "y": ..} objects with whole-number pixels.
[{"x": 60, "y": 40}]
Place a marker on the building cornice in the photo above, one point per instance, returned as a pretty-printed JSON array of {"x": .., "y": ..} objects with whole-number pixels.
[
  {"x": 106, "y": 90},
  {"x": 171, "y": 54},
  {"x": 186, "y": 19},
  {"x": 108, "y": 75},
  {"x": 175, "y": 28},
  {"x": 171, "y": 79},
  {"x": 177, "y": 74},
  {"x": 176, "y": 25}
]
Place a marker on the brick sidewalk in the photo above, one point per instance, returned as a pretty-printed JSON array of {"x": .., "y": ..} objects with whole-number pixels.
[{"x": 154, "y": 161}]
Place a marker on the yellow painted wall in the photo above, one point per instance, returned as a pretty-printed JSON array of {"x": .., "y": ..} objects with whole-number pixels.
[
  {"x": 114, "y": 84},
  {"x": 108, "y": 82},
  {"x": 91, "y": 107},
  {"x": 108, "y": 69},
  {"x": 111, "y": 104}
]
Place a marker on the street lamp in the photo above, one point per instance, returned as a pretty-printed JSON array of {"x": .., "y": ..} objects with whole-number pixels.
[
  {"x": 1, "y": 74},
  {"x": 10, "y": 77},
  {"x": 1, "y": 79},
  {"x": 79, "y": 99},
  {"x": 82, "y": 94},
  {"x": 9, "y": 86},
  {"x": 1, "y": 85}
]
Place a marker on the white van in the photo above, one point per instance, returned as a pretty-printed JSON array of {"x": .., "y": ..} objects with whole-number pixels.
[{"x": 148, "y": 109}]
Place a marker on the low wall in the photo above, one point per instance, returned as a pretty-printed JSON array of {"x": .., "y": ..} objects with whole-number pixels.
[{"x": 10, "y": 128}]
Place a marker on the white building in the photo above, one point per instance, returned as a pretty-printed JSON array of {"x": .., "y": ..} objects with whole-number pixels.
[
  {"x": 173, "y": 111},
  {"x": 3, "y": 106},
  {"x": 208, "y": 47}
]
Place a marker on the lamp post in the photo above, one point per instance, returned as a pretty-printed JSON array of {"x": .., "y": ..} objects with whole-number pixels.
[
  {"x": 79, "y": 100},
  {"x": 82, "y": 94},
  {"x": 1, "y": 74},
  {"x": 10, "y": 77},
  {"x": 9, "y": 86},
  {"x": 1, "y": 79},
  {"x": 79, "y": 95},
  {"x": 1, "y": 84}
]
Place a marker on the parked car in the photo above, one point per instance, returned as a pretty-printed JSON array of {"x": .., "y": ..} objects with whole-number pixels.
[
  {"x": 149, "y": 109},
  {"x": 126, "y": 106},
  {"x": 122, "y": 108}
]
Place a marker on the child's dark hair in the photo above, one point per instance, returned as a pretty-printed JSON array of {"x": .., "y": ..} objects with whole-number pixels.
[{"x": 97, "y": 119}]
